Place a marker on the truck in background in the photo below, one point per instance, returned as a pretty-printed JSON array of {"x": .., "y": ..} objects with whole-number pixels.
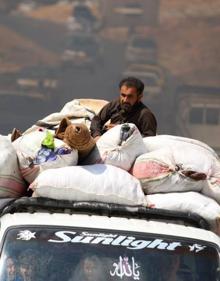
[{"x": 198, "y": 114}]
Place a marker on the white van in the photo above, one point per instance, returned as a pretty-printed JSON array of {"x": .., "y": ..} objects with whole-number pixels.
[{"x": 45, "y": 239}]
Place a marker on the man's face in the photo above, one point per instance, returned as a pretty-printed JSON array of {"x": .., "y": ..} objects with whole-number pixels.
[
  {"x": 11, "y": 269},
  {"x": 129, "y": 95},
  {"x": 26, "y": 271},
  {"x": 89, "y": 269}
]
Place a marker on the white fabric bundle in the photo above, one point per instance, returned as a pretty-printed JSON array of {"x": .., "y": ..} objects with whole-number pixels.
[
  {"x": 192, "y": 202},
  {"x": 99, "y": 182},
  {"x": 157, "y": 172},
  {"x": 27, "y": 147},
  {"x": 164, "y": 168},
  {"x": 11, "y": 181},
  {"x": 161, "y": 141},
  {"x": 212, "y": 188},
  {"x": 110, "y": 150},
  {"x": 190, "y": 154},
  {"x": 72, "y": 110}
]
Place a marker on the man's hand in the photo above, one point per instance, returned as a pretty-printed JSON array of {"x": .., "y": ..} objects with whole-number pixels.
[{"x": 109, "y": 126}]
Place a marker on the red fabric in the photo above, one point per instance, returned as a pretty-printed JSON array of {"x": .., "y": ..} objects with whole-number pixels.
[{"x": 149, "y": 169}]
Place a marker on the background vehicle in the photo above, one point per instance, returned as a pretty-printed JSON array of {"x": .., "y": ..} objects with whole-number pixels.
[
  {"x": 141, "y": 49},
  {"x": 84, "y": 14},
  {"x": 83, "y": 50},
  {"x": 38, "y": 79},
  {"x": 115, "y": 242},
  {"x": 30, "y": 88},
  {"x": 130, "y": 9},
  {"x": 198, "y": 114}
]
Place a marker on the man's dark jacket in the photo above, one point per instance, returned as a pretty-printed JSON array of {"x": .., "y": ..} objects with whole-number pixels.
[{"x": 140, "y": 115}]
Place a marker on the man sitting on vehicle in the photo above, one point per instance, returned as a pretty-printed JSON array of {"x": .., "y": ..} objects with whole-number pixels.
[{"x": 127, "y": 109}]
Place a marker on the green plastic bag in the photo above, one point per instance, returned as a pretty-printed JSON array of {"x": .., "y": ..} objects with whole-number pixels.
[{"x": 48, "y": 141}]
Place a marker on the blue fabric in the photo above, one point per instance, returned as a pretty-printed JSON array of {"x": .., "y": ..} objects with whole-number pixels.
[{"x": 47, "y": 154}]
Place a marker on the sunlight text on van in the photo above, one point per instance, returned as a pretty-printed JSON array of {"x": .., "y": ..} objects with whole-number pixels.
[{"x": 129, "y": 242}]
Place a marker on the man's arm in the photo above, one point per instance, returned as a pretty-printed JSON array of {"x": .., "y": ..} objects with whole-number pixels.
[
  {"x": 99, "y": 120},
  {"x": 148, "y": 126}
]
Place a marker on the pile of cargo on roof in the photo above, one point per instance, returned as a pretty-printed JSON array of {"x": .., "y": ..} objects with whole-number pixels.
[{"x": 58, "y": 159}]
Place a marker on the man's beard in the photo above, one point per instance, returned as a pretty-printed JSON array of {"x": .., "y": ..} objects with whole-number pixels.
[{"x": 126, "y": 108}]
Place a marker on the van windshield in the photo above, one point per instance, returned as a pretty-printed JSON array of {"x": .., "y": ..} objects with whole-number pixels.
[{"x": 73, "y": 254}]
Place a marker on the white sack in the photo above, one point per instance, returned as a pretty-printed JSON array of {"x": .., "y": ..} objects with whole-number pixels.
[
  {"x": 108, "y": 149},
  {"x": 212, "y": 189},
  {"x": 190, "y": 154},
  {"x": 157, "y": 172},
  {"x": 161, "y": 141},
  {"x": 187, "y": 153},
  {"x": 71, "y": 109},
  {"x": 99, "y": 182},
  {"x": 27, "y": 147},
  {"x": 192, "y": 202},
  {"x": 11, "y": 181}
]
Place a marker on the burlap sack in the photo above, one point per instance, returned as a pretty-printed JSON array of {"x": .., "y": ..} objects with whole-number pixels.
[{"x": 77, "y": 136}]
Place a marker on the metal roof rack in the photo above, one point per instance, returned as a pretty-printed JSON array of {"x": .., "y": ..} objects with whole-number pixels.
[{"x": 31, "y": 205}]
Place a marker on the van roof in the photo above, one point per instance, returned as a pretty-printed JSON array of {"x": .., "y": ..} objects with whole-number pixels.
[
  {"x": 31, "y": 205},
  {"x": 93, "y": 216}
]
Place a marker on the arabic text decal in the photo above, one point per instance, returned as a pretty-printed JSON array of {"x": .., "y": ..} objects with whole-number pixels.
[{"x": 127, "y": 268}]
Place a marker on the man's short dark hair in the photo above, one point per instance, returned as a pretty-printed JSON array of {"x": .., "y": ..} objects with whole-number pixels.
[{"x": 132, "y": 82}]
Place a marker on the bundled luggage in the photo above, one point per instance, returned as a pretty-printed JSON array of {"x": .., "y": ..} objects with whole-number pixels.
[
  {"x": 98, "y": 182},
  {"x": 164, "y": 171},
  {"x": 192, "y": 202},
  {"x": 173, "y": 165},
  {"x": 119, "y": 147},
  {"x": 34, "y": 158},
  {"x": 12, "y": 183}
]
